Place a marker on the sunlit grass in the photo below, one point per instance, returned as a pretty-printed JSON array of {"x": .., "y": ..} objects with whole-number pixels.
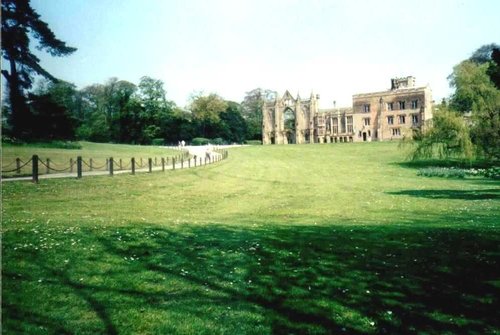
[
  {"x": 279, "y": 239},
  {"x": 60, "y": 158},
  {"x": 89, "y": 150}
]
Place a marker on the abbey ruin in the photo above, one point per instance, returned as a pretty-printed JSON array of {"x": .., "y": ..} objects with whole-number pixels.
[{"x": 376, "y": 116}]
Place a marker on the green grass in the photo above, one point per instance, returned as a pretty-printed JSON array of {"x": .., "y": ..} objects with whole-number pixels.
[
  {"x": 304, "y": 239},
  {"x": 60, "y": 158}
]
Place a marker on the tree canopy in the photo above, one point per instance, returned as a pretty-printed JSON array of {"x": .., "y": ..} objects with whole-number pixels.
[
  {"x": 473, "y": 115},
  {"x": 20, "y": 23},
  {"x": 252, "y": 111},
  {"x": 447, "y": 138}
]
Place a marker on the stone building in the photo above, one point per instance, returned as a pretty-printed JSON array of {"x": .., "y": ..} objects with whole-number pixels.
[{"x": 377, "y": 116}]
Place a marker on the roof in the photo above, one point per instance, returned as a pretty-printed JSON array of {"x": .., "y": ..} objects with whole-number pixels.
[{"x": 392, "y": 92}]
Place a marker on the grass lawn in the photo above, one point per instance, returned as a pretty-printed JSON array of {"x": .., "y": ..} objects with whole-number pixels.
[
  {"x": 99, "y": 152},
  {"x": 302, "y": 239}
]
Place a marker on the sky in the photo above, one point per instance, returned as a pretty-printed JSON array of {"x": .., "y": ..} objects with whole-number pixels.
[{"x": 332, "y": 48}]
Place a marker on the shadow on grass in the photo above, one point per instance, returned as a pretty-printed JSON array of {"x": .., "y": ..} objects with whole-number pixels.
[
  {"x": 481, "y": 194},
  {"x": 278, "y": 280}
]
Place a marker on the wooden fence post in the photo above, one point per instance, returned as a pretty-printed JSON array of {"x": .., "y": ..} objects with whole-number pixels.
[
  {"x": 90, "y": 164},
  {"x": 163, "y": 163},
  {"x": 111, "y": 166},
  {"x": 18, "y": 165},
  {"x": 141, "y": 161},
  {"x": 35, "y": 168},
  {"x": 47, "y": 170},
  {"x": 182, "y": 163},
  {"x": 120, "y": 164},
  {"x": 156, "y": 163},
  {"x": 132, "y": 165},
  {"x": 71, "y": 165},
  {"x": 150, "y": 164},
  {"x": 189, "y": 163},
  {"x": 173, "y": 163},
  {"x": 194, "y": 161},
  {"x": 79, "y": 167}
]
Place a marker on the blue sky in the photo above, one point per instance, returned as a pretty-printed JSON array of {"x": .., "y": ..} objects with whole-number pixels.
[{"x": 334, "y": 48}]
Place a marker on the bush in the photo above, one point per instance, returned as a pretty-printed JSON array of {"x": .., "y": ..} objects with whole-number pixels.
[
  {"x": 158, "y": 141},
  {"x": 218, "y": 141},
  {"x": 200, "y": 141},
  {"x": 441, "y": 172},
  {"x": 65, "y": 145},
  {"x": 493, "y": 173},
  {"x": 253, "y": 142}
]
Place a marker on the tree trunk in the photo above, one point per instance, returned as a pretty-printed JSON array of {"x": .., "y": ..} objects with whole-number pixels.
[{"x": 19, "y": 117}]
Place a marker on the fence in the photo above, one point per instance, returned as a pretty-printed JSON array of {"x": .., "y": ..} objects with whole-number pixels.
[{"x": 35, "y": 166}]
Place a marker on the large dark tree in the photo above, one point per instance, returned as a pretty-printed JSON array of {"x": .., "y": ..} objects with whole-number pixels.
[
  {"x": 233, "y": 125},
  {"x": 20, "y": 22}
]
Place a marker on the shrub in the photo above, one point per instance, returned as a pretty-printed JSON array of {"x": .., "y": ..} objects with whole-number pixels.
[
  {"x": 200, "y": 141},
  {"x": 158, "y": 141},
  {"x": 218, "y": 141},
  {"x": 493, "y": 173},
  {"x": 441, "y": 172},
  {"x": 253, "y": 142}
]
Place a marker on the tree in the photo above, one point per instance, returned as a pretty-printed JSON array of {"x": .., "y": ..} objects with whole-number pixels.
[
  {"x": 233, "y": 125},
  {"x": 180, "y": 126},
  {"x": 476, "y": 93},
  {"x": 484, "y": 53},
  {"x": 117, "y": 96},
  {"x": 494, "y": 69},
  {"x": 206, "y": 110},
  {"x": 19, "y": 23},
  {"x": 94, "y": 125},
  {"x": 49, "y": 119},
  {"x": 447, "y": 138},
  {"x": 156, "y": 112},
  {"x": 252, "y": 111},
  {"x": 104, "y": 112}
]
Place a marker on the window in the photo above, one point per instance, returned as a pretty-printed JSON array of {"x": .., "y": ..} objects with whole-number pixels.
[
  {"x": 414, "y": 104},
  {"x": 414, "y": 119},
  {"x": 390, "y": 106},
  {"x": 366, "y": 108},
  {"x": 350, "y": 129},
  {"x": 359, "y": 134},
  {"x": 402, "y": 105},
  {"x": 396, "y": 132},
  {"x": 366, "y": 121},
  {"x": 402, "y": 119},
  {"x": 390, "y": 120}
]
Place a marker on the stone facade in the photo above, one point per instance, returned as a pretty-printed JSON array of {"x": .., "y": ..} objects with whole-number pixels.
[{"x": 377, "y": 116}]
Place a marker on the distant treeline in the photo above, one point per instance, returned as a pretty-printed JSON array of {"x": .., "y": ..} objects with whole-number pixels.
[{"x": 123, "y": 112}]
